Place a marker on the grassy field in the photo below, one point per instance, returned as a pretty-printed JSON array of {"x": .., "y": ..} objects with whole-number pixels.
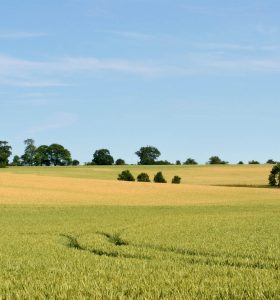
[{"x": 78, "y": 233}]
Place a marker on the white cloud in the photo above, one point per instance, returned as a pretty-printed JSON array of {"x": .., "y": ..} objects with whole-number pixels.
[
  {"x": 44, "y": 74},
  {"x": 28, "y": 73}
]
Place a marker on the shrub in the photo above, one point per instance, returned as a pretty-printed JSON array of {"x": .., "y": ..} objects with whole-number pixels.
[
  {"x": 274, "y": 177},
  {"x": 271, "y": 161},
  {"x": 120, "y": 162},
  {"x": 240, "y": 162},
  {"x": 158, "y": 178},
  {"x": 178, "y": 162},
  {"x": 176, "y": 180},
  {"x": 190, "y": 161},
  {"x": 126, "y": 176},
  {"x": 143, "y": 177},
  {"x": 75, "y": 162},
  {"x": 253, "y": 162},
  {"x": 215, "y": 160}
]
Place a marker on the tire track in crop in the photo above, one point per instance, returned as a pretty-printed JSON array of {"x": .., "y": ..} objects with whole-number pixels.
[
  {"x": 189, "y": 256},
  {"x": 74, "y": 244}
]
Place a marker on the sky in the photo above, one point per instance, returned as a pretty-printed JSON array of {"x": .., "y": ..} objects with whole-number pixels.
[{"x": 194, "y": 78}]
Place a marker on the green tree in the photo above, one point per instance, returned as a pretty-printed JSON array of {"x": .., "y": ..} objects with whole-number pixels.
[
  {"x": 28, "y": 157},
  {"x": 271, "y": 161},
  {"x": 126, "y": 176},
  {"x": 274, "y": 177},
  {"x": 5, "y": 153},
  {"x": 42, "y": 156},
  {"x": 75, "y": 162},
  {"x": 158, "y": 178},
  {"x": 253, "y": 162},
  {"x": 178, "y": 162},
  {"x": 143, "y": 177},
  {"x": 215, "y": 160},
  {"x": 148, "y": 155},
  {"x": 58, "y": 155},
  {"x": 176, "y": 180},
  {"x": 120, "y": 162},
  {"x": 190, "y": 161},
  {"x": 17, "y": 161},
  {"x": 102, "y": 157}
]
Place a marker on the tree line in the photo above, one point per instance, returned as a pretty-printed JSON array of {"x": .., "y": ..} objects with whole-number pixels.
[{"x": 58, "y": 155}]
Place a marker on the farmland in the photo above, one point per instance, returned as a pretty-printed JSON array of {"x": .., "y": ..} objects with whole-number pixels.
[{"x": 78, "y": 233}]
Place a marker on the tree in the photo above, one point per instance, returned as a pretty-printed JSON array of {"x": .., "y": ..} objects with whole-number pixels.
[
  {"x": 215, "y": 160},
  {"x": 253, "y": 162},
  {"x": 16, "y": 161},
  {"x": 178, "y": 162},
  {"x": 271, "y": 161},
  {"x": 158, "y": 178},
  {"x": 126, "y": 176},
  {"x": 240, "y": 162},
  {"x": 42, "y": 156},
  {"x": 28, "y": 157},
  {"x": 120, "y": 162},
  {"x": 143, "y": 177},
  {"x": 75, "y": 162},
  {"x": 102, "y": 157},
  {"x": 58, "y": 155},
  {"x": 274, "y": 177},
  {"x": 5, "y": 153},
  {"x": 162, "y": 162},
  {"x": 190, "y": 161},
  {"x": 176, "y": 180},
  {"x": 147, "y": 155}
]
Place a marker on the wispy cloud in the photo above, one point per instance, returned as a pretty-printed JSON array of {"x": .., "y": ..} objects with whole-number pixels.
[
  {"x": 28, "y": 73},
  {"x": 132, "y": 35},
  {"x": 53, "y": 73},
  {"x": 55, "y": 121},
  {"x": 20, "y": 34},
  {"x": 215, "y": 63},
  {"x": 234, "y": 47}
]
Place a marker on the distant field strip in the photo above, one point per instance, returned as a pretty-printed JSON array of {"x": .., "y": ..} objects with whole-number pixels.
[
  {"x": 34, "y": 189},
  {"x": 201, "y": 174}
]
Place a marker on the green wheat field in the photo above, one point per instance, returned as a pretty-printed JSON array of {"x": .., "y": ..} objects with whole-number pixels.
[{"x": 78, "y": 233}]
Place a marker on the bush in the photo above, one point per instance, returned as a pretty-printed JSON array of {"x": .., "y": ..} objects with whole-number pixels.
[
  {"x": 271, "y": 161},
  {"x": 143, "y": 177},
  {"x": 190, "y": 161},
  {"x": 178, "y": 162},
  {"x": 158, "y": 178},
  {"x": 75, "y": 162},
  {"x": 120, "y": 162},
  {"x": 274, "y": 177},
  {"x": 162, "y": 162},
  {"x": 253, "y": 162},
  {"x": 240, "y": 162},
  {"x": 126, "y": 176},
  {"x": 215, "y": 160},
  {"x": 176, "y": 180}
]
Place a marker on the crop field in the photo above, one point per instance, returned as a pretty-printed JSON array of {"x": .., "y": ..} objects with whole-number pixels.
[{"x": 78, "y": 233}]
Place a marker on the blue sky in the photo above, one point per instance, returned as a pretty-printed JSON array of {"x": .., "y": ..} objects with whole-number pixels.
[{"x": 193, "y": 78}]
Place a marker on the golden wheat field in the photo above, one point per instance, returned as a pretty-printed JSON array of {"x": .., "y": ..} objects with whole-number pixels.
[
  {"x": 78, "y": 233},
  {"x": 97, "y": 185}
]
